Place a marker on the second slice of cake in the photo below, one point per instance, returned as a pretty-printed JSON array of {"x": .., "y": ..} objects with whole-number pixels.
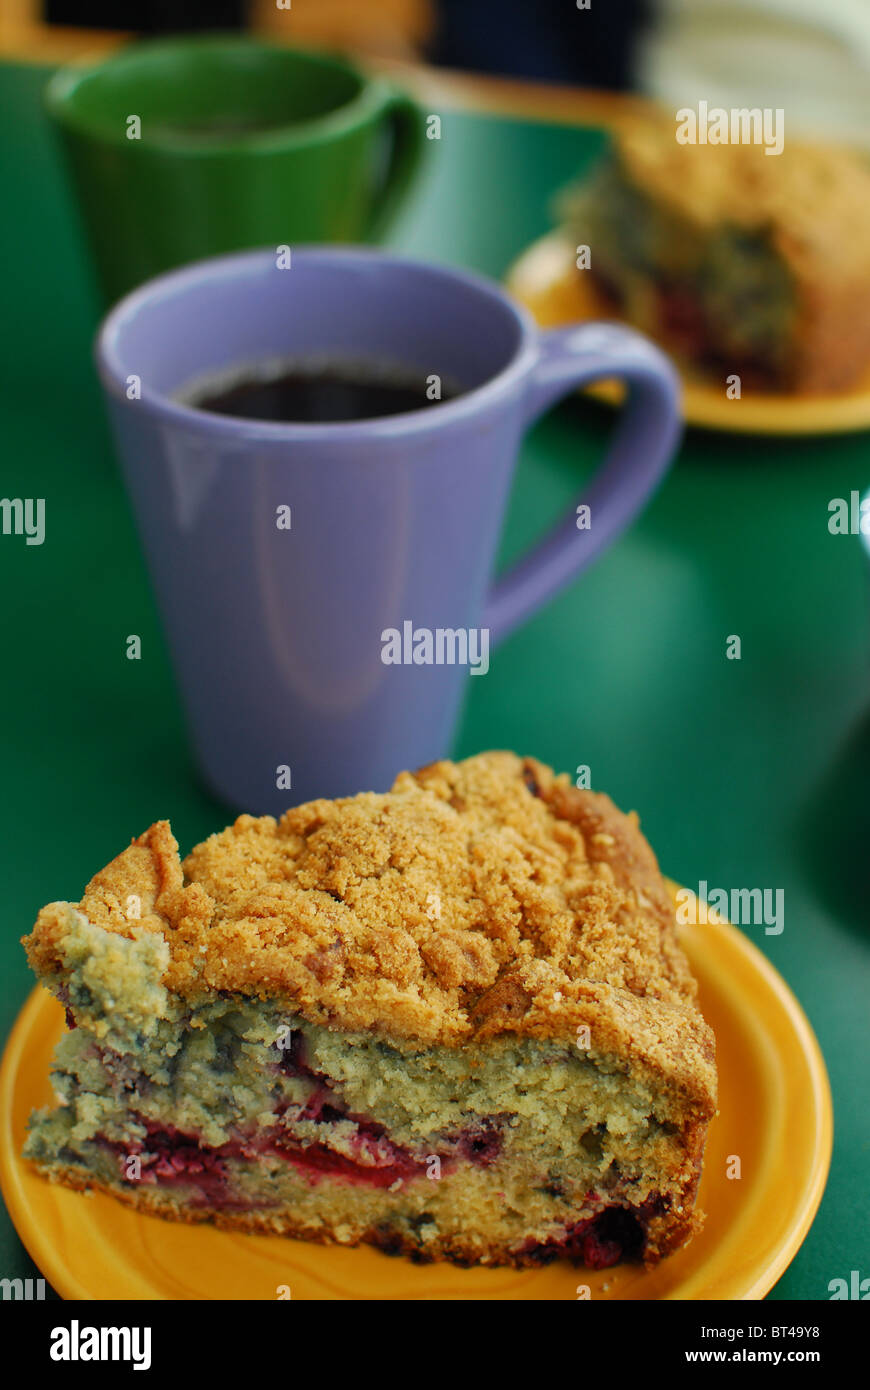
[
  {"x": 452, "y": 1021},
  {"x": 735, "y": 262}
]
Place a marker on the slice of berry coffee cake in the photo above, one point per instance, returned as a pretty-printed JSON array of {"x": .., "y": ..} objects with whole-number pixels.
[{"x": 452, "y": 1021}]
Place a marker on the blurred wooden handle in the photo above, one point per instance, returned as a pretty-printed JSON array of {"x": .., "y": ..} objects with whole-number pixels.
[{"x": 392, "y": 28}]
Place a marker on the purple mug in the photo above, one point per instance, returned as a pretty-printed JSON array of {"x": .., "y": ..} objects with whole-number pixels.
[{"x": 326, "y": 588}]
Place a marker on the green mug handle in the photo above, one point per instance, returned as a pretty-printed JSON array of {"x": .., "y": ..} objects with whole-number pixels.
[{"x": 408, "y": 122}]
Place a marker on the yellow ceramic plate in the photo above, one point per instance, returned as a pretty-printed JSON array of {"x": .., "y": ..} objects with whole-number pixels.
[
  {"x": 546, "y": 280},
  {"x": 775, "y": 1115}
]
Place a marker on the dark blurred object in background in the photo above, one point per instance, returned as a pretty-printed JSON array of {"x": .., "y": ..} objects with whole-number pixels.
[
  {"x": 548, "y": 40},
  {"x": 148, "y": 16}
]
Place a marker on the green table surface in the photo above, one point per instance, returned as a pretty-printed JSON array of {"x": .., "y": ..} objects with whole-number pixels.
[{"x": 745, "y": 773}]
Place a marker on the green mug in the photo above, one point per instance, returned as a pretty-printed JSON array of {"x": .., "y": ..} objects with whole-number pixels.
[{"x": 193, "y": 147}]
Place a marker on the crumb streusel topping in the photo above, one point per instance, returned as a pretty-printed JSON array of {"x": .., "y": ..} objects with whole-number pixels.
[
  {"x": 472, "y": 899},
  {"x": 809, "y": 198}
]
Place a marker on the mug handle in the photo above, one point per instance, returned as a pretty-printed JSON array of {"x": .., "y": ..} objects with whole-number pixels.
[
  {"x": 639, "y": 454},
  {"x": 407, "y": 123}
]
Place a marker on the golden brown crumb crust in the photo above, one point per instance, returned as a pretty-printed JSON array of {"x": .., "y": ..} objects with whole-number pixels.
[
  {"x": 473, "y": 899},
  {"x": 812, "y": 197},
  {"x": 811, "y": 201}
]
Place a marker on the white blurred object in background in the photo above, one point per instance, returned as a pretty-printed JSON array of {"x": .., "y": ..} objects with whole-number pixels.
[{"x": 810, "y": 57}]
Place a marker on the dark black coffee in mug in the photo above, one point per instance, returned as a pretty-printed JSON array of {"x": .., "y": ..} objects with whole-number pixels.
[{"x": 319, "y": 392}]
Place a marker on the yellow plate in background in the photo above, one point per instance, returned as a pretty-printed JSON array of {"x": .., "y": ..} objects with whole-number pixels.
[
  {"x": 545, "y": 279},
  {"x": 775, "y": 1115}
]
